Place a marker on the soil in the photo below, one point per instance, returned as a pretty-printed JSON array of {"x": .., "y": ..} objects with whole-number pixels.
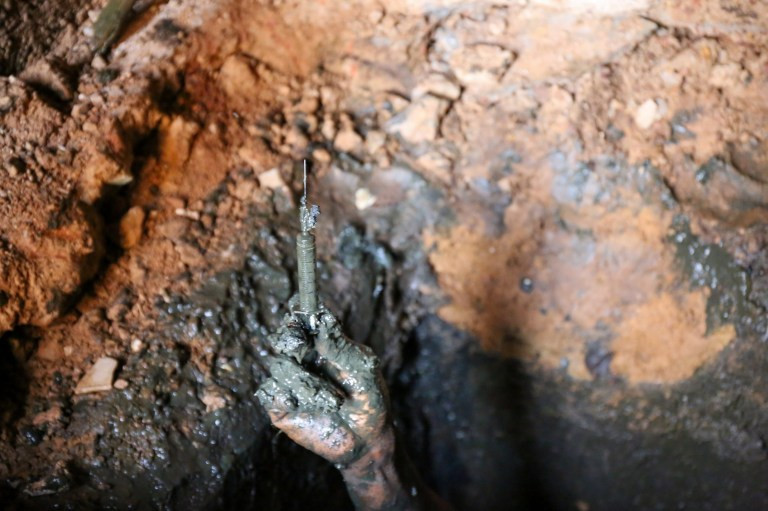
[{"x": 548, "y": 219}]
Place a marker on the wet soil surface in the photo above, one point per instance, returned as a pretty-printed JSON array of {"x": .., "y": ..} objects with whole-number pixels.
[{"x": 549, "y": 221}]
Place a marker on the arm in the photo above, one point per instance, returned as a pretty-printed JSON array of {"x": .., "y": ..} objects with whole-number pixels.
[{"x": 338, "y": 408}]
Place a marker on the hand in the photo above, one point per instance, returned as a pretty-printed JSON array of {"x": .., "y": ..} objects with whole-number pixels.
[{"x": 337, "y": 410}]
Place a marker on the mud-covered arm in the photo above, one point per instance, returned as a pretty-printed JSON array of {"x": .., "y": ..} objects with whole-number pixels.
[{"x": 337, "y": 407}]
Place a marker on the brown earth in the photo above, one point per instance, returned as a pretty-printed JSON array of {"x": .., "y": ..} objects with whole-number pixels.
[{"x": 519, "y": 170}]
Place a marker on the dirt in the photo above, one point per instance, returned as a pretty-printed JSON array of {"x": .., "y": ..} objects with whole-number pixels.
[{"x": 547, "y": 219}]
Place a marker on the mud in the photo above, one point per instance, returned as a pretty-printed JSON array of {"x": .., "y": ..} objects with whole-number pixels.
[{"x": 548, "y": 221}]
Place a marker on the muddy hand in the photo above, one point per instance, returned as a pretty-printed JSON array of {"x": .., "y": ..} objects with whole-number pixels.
[{"x": 338, "y": 408}]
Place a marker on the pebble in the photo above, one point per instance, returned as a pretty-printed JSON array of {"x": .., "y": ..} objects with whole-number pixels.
[
  {"x": 347, "y": 140},
  {"x": 137, "y": 345},
  {"x": 646, "y": 114},
  {"x": 374, "y": 140},
  {"x": 187, "y": 213},
  {"x": 121, "y": 384},
  {"x": 53, "y": 414},
  {"x": 131, "y": 227},
  {"x": 321, "y": 155},
  {"x": 272, "y": 179},
  {"x": 98, "y": 62},
  {"x": 364, "y": 199},
  {"x": 419, "y": 122},
  {"x": 213, "y": 401},
  {"x": 99, "y": 377}
]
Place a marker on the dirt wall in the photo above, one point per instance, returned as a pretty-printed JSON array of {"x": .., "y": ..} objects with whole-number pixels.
[{"x": 547, "y": 218}]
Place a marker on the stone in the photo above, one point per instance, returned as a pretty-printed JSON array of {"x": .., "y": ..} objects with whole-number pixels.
[
  {"x": 120, "y": 384},
  {"x": 131, "y": 227},
  {"x": 272, "y": 180},
  {"x": 364, "y": 199},
  {"x": 99, "y": 377},
  {"x": 374, "y": 140},
  {"x": 187, "y": 213},
  {"x": 213, "y": 400},
  {"x": 52, "y": 414},
  {"x": 137, "y": 345},
  {"x": 321, "y": 155},
  {"x": 347, "y": 140},
  {"x": 238, "y": 79},
  {"x": 646, "y": 114},
  {"x": 420, "y": 121},
  {"x": 438, "y": 85}
]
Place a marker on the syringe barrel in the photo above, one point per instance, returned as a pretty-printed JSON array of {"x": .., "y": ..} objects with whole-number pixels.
[{"x": 305, "y": 252}]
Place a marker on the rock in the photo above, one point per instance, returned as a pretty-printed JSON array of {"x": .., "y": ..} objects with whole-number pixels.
[
  {"x": 420, "y": 121},
  {"x": 98, "y": 62},
  {"x": 438, "y": 85},
  {"x": 295, "y": 139},
  {"x": 213, "y": 400},
  {"x": 347, "y": 140},
  {"x": 99, "y": 377},
  {"x": 481, "y": 65},
  {"x": 121, "y": 179},
  {"x": 272, "y": 180},
  {"x": 364, "y": 199},
  {"x": 52, "y": 414},
  {"x": 137, "y": 345},
  {"x": 238, "y": 79},
  {"x": 328, "y": 128},
  {"x": 120, "y": 384},
  {"x": 50, "y": 75},
  {"x": 56, "y": 481},
  {"x": 131, "y": 227},
  {"x": 646, "y": 114},
  {"x": 320, "y": 155},
  {"x": 374, "y": 140},
  {"x": 187, "y": 213},
  {"x": 728, "y": 76}
]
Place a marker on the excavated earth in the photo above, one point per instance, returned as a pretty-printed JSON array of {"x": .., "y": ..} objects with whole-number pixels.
[{"x": 547, "y": 217}]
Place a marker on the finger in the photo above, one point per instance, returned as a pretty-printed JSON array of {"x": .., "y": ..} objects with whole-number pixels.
[
  {"x": 310, "y": 391},
  {"x": 290, "y": 339},
  {"x": 324, "y": 435},
  {"x": 276, "y": 398},
  {"x": 352, "y": 366}
]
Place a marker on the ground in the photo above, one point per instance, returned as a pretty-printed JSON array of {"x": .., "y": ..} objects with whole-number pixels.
[{"x": 547, "y": 218}]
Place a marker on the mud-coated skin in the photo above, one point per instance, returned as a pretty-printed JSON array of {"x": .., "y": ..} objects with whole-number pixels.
[{"x": 337, "y": 407}]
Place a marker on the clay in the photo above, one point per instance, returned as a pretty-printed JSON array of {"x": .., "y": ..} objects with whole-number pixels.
[{"x": 525, "y": 233}]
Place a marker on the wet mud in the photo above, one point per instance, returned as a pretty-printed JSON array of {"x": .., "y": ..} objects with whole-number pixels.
[{"x": 547, "y": 221}]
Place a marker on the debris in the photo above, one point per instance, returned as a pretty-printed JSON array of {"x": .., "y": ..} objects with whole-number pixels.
[
  {"x": 438, "y": 85},
  {"x": 213, "y": 400},
  {"x": 55, "y": 482},
  {"x": 120, "y": 384},
  {"x": 99, "y": 377},
  {"x": 187, "y": 213},
  {"x": 272, "y": 180},
  {"x": 347, "y": 140},
  {"x": 374, "y": 140},
  {"x": 137, "y": 345},
  {"x": 49, "y": 74},
  {"x": 320, "y": 155},
  {"x": 131, "y": 226},
  {"x": 52, "y": 414},
  {"x": 419, "y": 122},
  {"x": 646, "y": 114},
  {"x": 364, "y": 199}
]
